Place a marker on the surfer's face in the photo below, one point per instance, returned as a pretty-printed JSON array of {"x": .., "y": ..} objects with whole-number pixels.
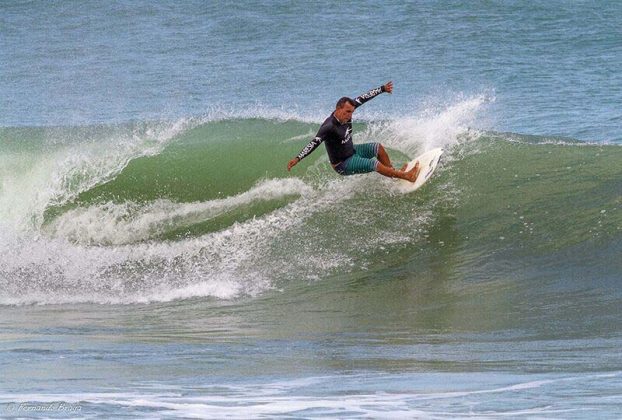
[{"x": 344, "y": 113}]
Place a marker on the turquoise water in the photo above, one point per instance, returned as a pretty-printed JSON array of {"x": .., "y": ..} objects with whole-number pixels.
[{"x": 157, "y": 260}]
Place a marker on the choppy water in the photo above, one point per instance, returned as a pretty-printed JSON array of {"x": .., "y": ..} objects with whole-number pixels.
[{"x": 157, "y": 260}]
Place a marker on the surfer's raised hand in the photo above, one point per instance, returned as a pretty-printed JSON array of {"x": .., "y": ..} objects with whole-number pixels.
[
  {"x": 388, "y": 87},
  {"x": 292, "y": 163}
]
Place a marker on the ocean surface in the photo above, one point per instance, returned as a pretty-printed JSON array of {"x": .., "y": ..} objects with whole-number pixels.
[{"x": 157, "y": 259}]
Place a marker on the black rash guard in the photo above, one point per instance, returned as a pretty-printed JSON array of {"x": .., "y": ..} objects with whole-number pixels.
[{"x": 337, "y": 137}]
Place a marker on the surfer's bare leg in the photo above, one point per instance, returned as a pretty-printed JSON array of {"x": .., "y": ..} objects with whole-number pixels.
[
  {"x": 394, "y": 173},
  {"x": 383, "y": 157}
]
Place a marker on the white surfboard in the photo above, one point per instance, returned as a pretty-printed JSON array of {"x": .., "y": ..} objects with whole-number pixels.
[{"x": 428, "y": 162}]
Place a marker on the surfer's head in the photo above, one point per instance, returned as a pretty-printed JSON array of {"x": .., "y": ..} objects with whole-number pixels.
[{"x": 344, "y": 109}]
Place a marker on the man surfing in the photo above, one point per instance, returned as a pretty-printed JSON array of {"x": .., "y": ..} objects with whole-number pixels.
[{"x": 345, "y": 157}]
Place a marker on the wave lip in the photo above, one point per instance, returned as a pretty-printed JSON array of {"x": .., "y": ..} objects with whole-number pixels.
[{"x": 64, "y": 162}]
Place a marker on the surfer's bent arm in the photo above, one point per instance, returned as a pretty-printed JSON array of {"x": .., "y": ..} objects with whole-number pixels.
[
  {"x": 322, "y": 134},
  {"x": 309, "y": 148},
  {"x": 360, "y": 100}
]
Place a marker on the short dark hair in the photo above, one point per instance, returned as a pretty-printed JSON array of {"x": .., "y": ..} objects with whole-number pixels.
[{"x": 341, "y": 102}]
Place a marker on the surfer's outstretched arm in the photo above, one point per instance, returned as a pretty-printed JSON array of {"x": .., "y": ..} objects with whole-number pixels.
[{"x": 360, "y": 100}]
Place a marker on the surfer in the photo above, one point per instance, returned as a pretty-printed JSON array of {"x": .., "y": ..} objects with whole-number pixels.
[{"x": 346, "y": 157}]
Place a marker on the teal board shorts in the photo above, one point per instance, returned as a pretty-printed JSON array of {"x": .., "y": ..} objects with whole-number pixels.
[{"x": 362, "y": 161}]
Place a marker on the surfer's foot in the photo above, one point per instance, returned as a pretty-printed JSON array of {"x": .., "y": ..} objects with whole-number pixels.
[
  {"x": 404, "y": 167},
  {"x": 413, "y": 173}
]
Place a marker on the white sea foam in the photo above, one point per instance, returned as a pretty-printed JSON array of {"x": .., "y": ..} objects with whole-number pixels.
[
  {"x": 243, "y": 259},
  {"x": 116, "y": 224},
  {"x": 302, "y": 397}
]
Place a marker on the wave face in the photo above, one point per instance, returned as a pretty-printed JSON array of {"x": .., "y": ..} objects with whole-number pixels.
[{"x": 146, "y": 212}]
